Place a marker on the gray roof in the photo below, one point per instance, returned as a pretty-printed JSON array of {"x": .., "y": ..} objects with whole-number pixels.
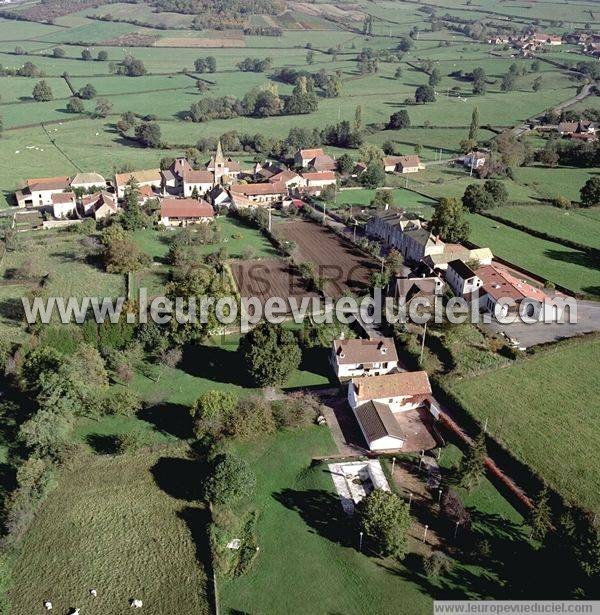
[
  {"x": 377, "y": 421},
  {"x": 463, "y": 270}
]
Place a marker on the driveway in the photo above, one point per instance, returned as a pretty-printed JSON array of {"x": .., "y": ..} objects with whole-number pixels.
[{"x": 588, "y": 320}]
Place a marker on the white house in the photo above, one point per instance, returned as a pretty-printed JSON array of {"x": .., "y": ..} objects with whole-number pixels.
[
  {"x": 461, "y": 278},
  {"x": 319, "y": 179},
  {"x": 38, "y": 192},
  {"x": 291, "y": 179},
  {"x": 402, "y": 164},
  {"x": 202, "y": 181},
  {"x": 390, "y": 226},
  {"x": 265, "y": 193},
  {"x": 100, "y": 204},
  {"x": 87, "y": 181},
  {"x": 419, "y": 243},
  {"x": 473, "y": 160},
  {"x": 63, "y": 204},
  {"x": 401, "y": 391},
  {"x": 304, "y": 157},
  {"x": 351, "y": 358}
]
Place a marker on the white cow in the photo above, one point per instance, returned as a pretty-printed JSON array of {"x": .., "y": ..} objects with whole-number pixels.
[
  {"x": 48, "y": 605},
  {"x": 137, "y": 604},
  {"x": 93, "y": 593}
]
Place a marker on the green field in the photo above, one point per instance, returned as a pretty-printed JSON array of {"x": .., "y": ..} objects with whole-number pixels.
[
  {"x": 578, "y": 225},
  {"x": 405, "y": 199},
  {"x": 570, "y": 268},
  {"x": 542, "y": 409},
  {"x": 117, "y": 524},
  {"x": 308, "y": 561}
]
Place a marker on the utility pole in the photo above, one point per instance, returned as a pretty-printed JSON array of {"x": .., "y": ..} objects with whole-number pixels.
[
  {"x": 423, "y": 344},
  {"x": 269, "y": 217},
  {"x": 324, "y": 210}
]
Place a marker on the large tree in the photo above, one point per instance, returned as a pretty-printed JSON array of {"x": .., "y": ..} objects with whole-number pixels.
[
  {"x": 231, "y": 479},
  {"x": 472, "y": 465},
  {"x": 589, "y": 195},
  {"x": 149, "y": 134},
  {"x": 384, "y": 519},
  {"x": 449, "y": 222},
  {"x": 399, "y": 119},
  {"x": 473, "y": 129},
  {"x": 270, "y": 353},
  {"x": 42, "y": 91},
  {"x": 424, "y": 94}
]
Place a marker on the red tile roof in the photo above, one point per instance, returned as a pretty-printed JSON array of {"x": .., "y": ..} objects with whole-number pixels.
[
  {"x": 63, "y": 197},
  {"x": 500, "y": 284},
  {"x": 309, "y": 154},
  {"x": 352, "y": 351},
  {"x": 259, "y": 189},
  {"x": 185, "y": 208},
  {"x": 402, "y": 384},
  {"x": 319, "y": 175},
  {"x": 48, "y": 183},
  {"x": 198, "y": 177}
]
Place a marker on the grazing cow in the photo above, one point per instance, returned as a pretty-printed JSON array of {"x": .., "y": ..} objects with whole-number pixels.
[
  {"x": 48, "y": 605},
  {"x": 75, "y": 611},
  {"x": 93, "y": 593},
  {"x": 137, "y": 604}
]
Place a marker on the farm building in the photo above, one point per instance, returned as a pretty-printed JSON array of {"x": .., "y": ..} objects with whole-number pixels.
[
  {"x": 150, "y": 177},
  {"x": 402, "y": 164},
  {"x": 64, "y": 204},
  {"x": 87, "y": 181},
  {"x": 38, "y": 192},
  {"x": 201, "y": 181}
]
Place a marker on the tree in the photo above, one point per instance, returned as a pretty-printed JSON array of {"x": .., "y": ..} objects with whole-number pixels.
[
  {"x": 472, "y": 465},
  {"x": 270, "y": 353},
  {"x": 303, "y": 98},
  {"x": 535, "y": 66},
  {"x": 133, "y": 218},
  {"x": 58, "y": 52},
  {"x": 75, "y": 106},
  {"x": 398, "y": 72},
  {"x": 537, "y": 84},
  {"x": 310, "y": 56},
  {"x": 149, "y": 134},
  {"x": 476, "y": 198},
  {"x": 345, "y": 164},
  {"x": 86, "y": 55},
  {"x": 399, "y": 119},
  {"x": 497, "y": 191},
  {"x": 132, "y": 67},
  {"x": 373, "y": 176},
  {"x": 230, "y": 480},
  {"x": 87, "y": 92},
  {"x": 103, "y": 107},
  {"x": 121, "y": 253},
  {"x": 508, "y": 82},
  {"x": 42, "y": 92},
  {"x": 589, "y": 195},
  {"x": 435, "y": 77},
  {"x": 383, "y": 199},
  {"x": 540, "y": 516},
  {"x": 449, "y": 222},
  {"x": 474, "y": 124},
  {"x": 46, "y": 432},
  {"x": 102, "y": 56},
  {"x": 211, "y": 64},
  {"x": 385, "y": 520},
  {"x": 211, "y": 411},
  {"x": 437, "y": 564},
  {"x": 357, "y": 125},
  {"x": 424, "y": 94}
]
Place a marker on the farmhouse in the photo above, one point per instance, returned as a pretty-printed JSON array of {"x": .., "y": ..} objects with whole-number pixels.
[
  {"x": 100, "y": 205},
  {"x": 323, "y": 163},
  {"x": 218, "y": 197},
  {"x": 201, "y": 181},
  {"x": 87, "y": 181},
  {"x": 260, "y": 193},
  {"x": 149, "y": 177},
  {"x": 461, "y": 278},
  {"x": 179, "y": 167},
  {"x": 419, "y": 243},
  {"x": 63, "y": 204},
  {"x": 402, "y": 164},
  {"x": 38, "y": 192},
  {"x": 181, "y": 212},
  {"x": 318, "y": 180},
  {"x": 473, "y": 160},
  {"x": 267, "y": 170},
  {"x": 358, "y": 357},
  {"x": 501, "y": 291},
  {"x": 580, "y": 128},
  {"x": 289, "y": 178},
  {"x": 402, "y": 391},
  {"x": 389, "y": 227},
  {"x": 305, "y": 157}
]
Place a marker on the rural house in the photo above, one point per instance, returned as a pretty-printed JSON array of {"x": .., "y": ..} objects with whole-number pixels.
[
  {"x": 182, "y": 212},
  {"x": 419, "y": 243},
  {"x": 201, "y": 181},
  {"x": 358, "y": 357},
  {"x": 402, "y": 391},
  {"x": 439, "y": 262},
  {"x": 407, "y": 289},
  {"x": 100, "y": 205},
  {"x": 389, "y": 227},
  {"x": 291, "y": 179},
  {"x": 473, "y": 160},
  {"x": 149, "y": 177},
  {"x": 379, "y": 426},
  {"x": 38, "y": 192},
  {"x": 316, "y": 181},
  {"x": 263, "y": 194},
  {"x": 402, "y": 164},
  {"x": 461, "y": 278},
  {"x": 305, "y": 157},
  {"x": 64, "y": 204}
]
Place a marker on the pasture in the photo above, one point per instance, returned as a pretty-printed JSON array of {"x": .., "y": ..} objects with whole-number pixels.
[
  {"x": 556, "y": 263},
  {"x": 88, "y": 534},
  {"x": 542, "y": 409}
]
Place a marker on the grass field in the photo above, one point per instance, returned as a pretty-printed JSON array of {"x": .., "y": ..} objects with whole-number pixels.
[
  {"x": 90, "y": 533},
  {"x": 577, "y": 225},
  {"x": 553, "y": 394},
  {"x": 570, "y": 268},
  {"x": 308, "y": 561}
]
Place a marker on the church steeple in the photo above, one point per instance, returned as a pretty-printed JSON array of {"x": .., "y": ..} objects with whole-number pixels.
[{"x": 219, "y": 158}]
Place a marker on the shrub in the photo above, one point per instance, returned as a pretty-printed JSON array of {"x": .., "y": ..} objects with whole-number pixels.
[
  {"x": 437, "y": 564},
  {"x": 296, "y": 410},
  {"x": 252, "y": 417},
  {"x": 129, "y": 441},
  {"x": 211, "y": 411},
  {"x": 562, "y": 202},
  {"x": 231, "y": 479}
]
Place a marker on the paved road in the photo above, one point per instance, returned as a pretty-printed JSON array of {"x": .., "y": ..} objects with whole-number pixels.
[{"x": 588, "y": 320}]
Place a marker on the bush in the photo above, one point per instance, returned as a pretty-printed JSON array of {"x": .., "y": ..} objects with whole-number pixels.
[
  {"x": 296, "y": 410},
  {"x": 437, "y": 564},
  {"x": 253, "y": 417},
  {"x": 130, "y": 441},
  {"x": 231, "y": 479},
  {"x": 211, "y": 412},
  {"x": 124, "y": 402},
  {"x": 562, "y": 202}
]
